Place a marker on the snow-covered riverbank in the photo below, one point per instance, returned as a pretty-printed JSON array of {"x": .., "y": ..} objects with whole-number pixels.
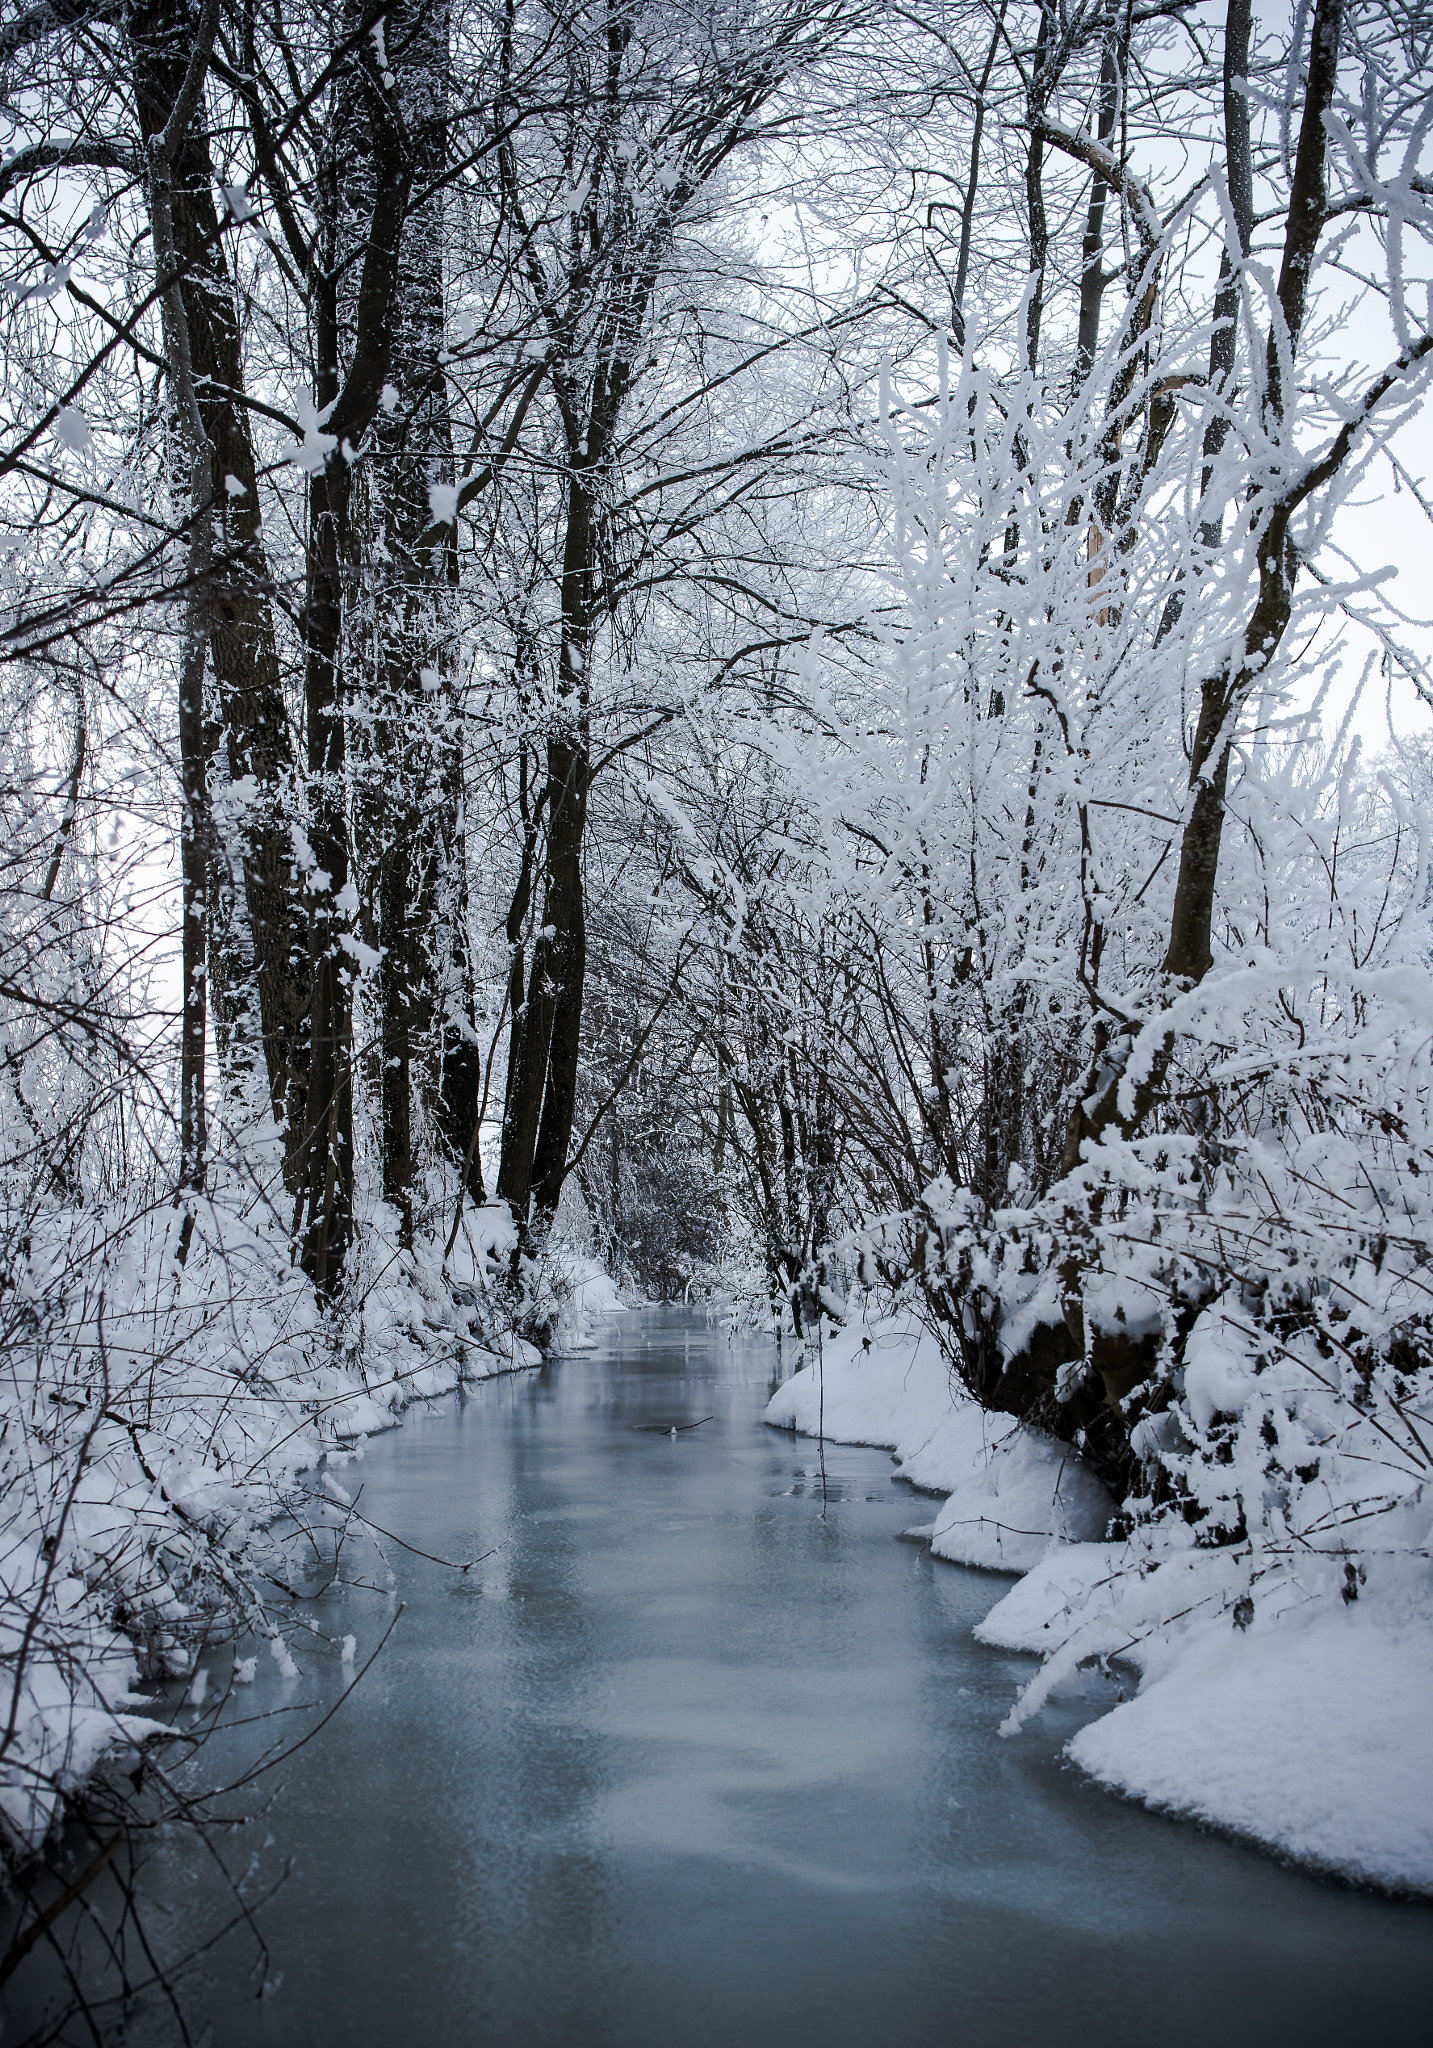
[
  {"x": 154, "y": 1430},
  {"x": 1298, "y": 1718}
]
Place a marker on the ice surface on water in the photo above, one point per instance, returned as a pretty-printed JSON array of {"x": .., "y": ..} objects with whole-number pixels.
[{"x": 688, "y": 1762}]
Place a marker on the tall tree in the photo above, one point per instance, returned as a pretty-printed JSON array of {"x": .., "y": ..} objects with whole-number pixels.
[
  {"x": 265, "y": 933},
  {"x": 647, "y": 128}
]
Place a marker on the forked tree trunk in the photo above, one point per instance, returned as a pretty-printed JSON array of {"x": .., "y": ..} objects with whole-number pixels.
[{"x": 1224, "y": 695}]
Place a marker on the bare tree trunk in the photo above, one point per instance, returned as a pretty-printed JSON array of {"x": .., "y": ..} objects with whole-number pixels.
[
  {"x": 326, "y": 1169},
  {"x": 415, "y": 772},
  {"x": 543, "y": 1086},
  {"x": 239, "y": 615},
  {"x": 1092, "y": 269},
  {"x": 195, "y": 832},
  {"x": 1223, "y": 695},
  {"x": 328, "y": 1136},
  {"x": 972, "y": 181},
  {"x": 542, "y": 1094},
  {"x": 1037, "y": 224},
  {"x": 1224, "y": 340},
  {"x": 518, "y": 908},
  {"x": 456, "y": 1051},
  {"x": 1223, "y": 344}
]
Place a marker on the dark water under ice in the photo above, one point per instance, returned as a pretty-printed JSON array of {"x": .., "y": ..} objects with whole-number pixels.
[{"x": 685, "y": 1765}]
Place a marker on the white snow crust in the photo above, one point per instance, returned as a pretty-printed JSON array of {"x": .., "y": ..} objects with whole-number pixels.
[
  {"x": 591, "y": 1295},
  {"x": 1307, "y": 1729}
]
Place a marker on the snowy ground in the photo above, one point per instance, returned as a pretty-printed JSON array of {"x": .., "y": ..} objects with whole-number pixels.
[{"x": 1298, "y": 1718}]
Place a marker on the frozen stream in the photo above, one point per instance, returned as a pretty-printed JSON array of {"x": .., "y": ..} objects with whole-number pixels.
[{"x": 685, "y": 1766}]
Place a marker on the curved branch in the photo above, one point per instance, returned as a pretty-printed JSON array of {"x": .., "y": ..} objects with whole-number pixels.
[{"x": 100, "y": 155}]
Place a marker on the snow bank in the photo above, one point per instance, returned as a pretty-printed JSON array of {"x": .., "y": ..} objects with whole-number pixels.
[
  {"x": 1010, "y": 1490},
  {"x": 1295, "y": 1716},
  {"x": 1026, "y": 1491},
  {"x": 66, "y": 1700},
  {"x": 155, "y": 1416},
  {"x": 589, "y": 1295},
  {"x": 878, "y": 1383},
  {"x": 1292, "y": 1704}
]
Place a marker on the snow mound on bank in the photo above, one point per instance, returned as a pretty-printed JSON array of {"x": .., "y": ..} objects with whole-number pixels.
[
  {"x": 589, "y": 1296},
  {"x": 66, "y": 1694},
  {"x": 1017, "y": 1497},
  {"x": 1274, "y": 1706},
  {"x": 1010, "y": 1490},
  {"x": 878, "y": 1383},
  {"x": 1317, "y": 1740},
  {"x": 1300, "y": 1719}
]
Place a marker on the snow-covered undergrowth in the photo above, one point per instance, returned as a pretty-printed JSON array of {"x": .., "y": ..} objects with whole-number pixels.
[
  {"x": 1282, "y": 1630},
  {"x": 154, "y": 1418}
]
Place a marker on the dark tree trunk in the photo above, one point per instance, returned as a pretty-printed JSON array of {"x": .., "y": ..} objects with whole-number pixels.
[
  {"x": 241, "y": 631},
  {"x": 1223, "y": 695},
  {"x": 196, "y": 827},
  {"x": 1092, "y": 270},
  {"x": 329, "y": 1134},
  {"x": 518, "y": 910},
  {"x": 1223, "y": 344},
  {"x": 1224, "y": 340},
  {"x": 327, "y": 1165},
  {"x": 1036, "y": 221},
  {"x": 455, "y": 1046},
  {"x": 542, "y": 1085},
  {"x": 414, "y": 769},
  {"x": 972, "y": 180},
  {"x": 565, "y": 913}
]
